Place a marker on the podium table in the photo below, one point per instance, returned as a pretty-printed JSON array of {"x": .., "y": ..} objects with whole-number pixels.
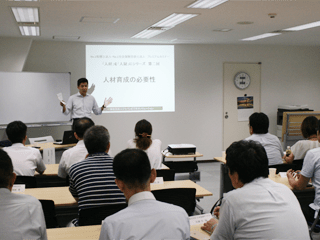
[{"x": 180, "y": 165}]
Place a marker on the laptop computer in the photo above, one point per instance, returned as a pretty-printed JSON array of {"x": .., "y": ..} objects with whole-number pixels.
[{"x": 68, "y": 138}]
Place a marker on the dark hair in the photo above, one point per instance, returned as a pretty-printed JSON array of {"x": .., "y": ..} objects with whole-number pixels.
[
  {"x": 247, "y": 158},
  {"x": 96, "y": 139},
  {"x": 259, "y": 122},
  {"x": 309, "y": 126},
  {"x": 6, "y": 169},
  {"x": 132, "y": 166},
  {"x": 82, "y": 80},
  {"x": 16, "y": 131},
  {"x": 81, "y": 125},
  {"x": 143, "y": 131}
]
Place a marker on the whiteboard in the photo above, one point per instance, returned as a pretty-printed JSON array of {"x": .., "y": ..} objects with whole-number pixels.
[{"x": 32, "y": 97}]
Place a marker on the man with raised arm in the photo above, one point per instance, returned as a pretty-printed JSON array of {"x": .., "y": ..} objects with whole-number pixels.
[{"x": 82, "y": 104}]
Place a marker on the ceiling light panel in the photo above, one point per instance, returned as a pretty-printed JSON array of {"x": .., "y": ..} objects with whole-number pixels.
[
  {"x": 148, "y": 33},
  {"x": 29, "y": 30},
  {"x": 266, "y": 35},
  {"x": 303, "y": 27},
  {"x": 208, "y": 4},
  {"x": 26, "y": 14},
  {"x": 174, "y": 19}
]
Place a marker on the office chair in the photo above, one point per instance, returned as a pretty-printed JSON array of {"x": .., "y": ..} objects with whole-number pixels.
[
  {"x": 49, "y": 212},
  {"x": 183, "y": 197},
  {"x": 5, "y": 143},
  {"x": 298, "y": 164},
  {"x": 44, "y": 139},
  {"x": 30, "y": 182},
  {"x": 95, "y": 215},
  {"x": 167, "y": 174}
]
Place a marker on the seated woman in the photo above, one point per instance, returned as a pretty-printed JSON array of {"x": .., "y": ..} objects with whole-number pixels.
[
  {"x": 309, "y": 128},
  {"x": 143, "y": 130}
]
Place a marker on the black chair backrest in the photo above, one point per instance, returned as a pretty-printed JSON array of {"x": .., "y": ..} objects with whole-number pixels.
[
  {"x": 5, "y": 143},
  {"x": 167, "y": 174},
  {"x": 283, "y": 167},
  {"x": 182, "y": 166},
  {"x": 95, "y": 215},
  {"x": 298, "y": 164},
  {"x": 30, "y": 182},
  {"x": 183, "y": 197},
  {"x": 49, "y": 212}
]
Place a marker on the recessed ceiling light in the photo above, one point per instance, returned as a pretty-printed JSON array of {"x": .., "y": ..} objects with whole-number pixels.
[
  {"x": 303, "y": 27},
  {"x": 29, "y": 30},
  {"x": 66, "y": 37},
  {"x": 99, "y": 20},
  {"x": 174, "y": 19},
  {"x": 222, "y": 30},
  {"x": 266, "y": 35},
  {"x": 148, "y": 33},
  {"x": 26, "y": 14},
  {"x": 208, "y": 4},
  {"x": 164, "y": 25},
  {"x": 244, "y": 23}
]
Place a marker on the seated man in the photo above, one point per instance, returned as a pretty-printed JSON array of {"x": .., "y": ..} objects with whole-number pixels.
[
  {"x": 145, "y": 217},
  {"x": 258, "y": 208},
  {"x": 25, "y": 160},
  {"x": 258, "y": 128},
  {"x": 92, "y": 180},
  {"x": 310, "y": 169},
  {"x": 78, "y": 152},
  {"x": 21, "y": 215}
]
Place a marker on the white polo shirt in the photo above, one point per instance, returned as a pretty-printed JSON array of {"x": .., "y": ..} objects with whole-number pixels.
[
  {"x": 25, "y": 160},
  {"x": 70, "y": 157}
]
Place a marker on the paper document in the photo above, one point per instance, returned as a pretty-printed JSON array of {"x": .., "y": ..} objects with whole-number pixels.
[
  {"x": 18, "y": 188},
  {"x": 159, "y": 180},
  {"x": 283, "y": 174},
  {"x": 200, "y": 219},
  {"x": 59, "y": 95},
  {"x": 107, "y": 101}
]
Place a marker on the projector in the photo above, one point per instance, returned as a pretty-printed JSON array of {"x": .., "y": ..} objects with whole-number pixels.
[{"x": 182, "y": 149}]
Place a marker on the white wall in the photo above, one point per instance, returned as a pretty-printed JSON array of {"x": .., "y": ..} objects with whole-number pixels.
[
  {"x": 13, "y": 53},
  {"x": 290, "y": 75}
]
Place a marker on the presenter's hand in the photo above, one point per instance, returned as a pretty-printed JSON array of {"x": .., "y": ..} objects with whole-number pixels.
[
  {"x": 62, "y": 104},
  {"x": 107, "y": 101}
]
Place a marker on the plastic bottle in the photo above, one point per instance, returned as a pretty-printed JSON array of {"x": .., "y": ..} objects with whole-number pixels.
[{"x": 288, "y": 151}]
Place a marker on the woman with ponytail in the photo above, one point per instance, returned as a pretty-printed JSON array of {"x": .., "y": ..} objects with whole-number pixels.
[{"x": 143, "y": 141}]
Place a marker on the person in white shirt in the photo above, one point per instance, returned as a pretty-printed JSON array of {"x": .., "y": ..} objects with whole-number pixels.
[
  {"x": 78, "y": 152},
  {"x": 299, "y": 150},
  {"x": 143, "y": 141},
  {"x": 21, "y": 215},
  {"x": 258, "y": 128},
  {"x": 145, "y": 217},
  {"x": 25, "y": 160},
  {"x": 310, "y": 170},
  {"x": 258, "y": 208},
  {"x": 81, "y": 104}
]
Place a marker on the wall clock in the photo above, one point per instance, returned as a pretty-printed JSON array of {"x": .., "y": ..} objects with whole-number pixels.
[{"x": 242, "y": 80}]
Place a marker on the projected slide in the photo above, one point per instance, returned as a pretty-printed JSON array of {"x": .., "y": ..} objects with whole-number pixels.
[{"x": 139, "y": 78}]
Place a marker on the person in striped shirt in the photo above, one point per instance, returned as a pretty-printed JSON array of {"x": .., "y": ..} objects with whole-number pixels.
[{"x": 92, "y": 181}]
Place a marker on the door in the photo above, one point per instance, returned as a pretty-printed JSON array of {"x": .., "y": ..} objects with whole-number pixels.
[{"x": 235, "y": 129}]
